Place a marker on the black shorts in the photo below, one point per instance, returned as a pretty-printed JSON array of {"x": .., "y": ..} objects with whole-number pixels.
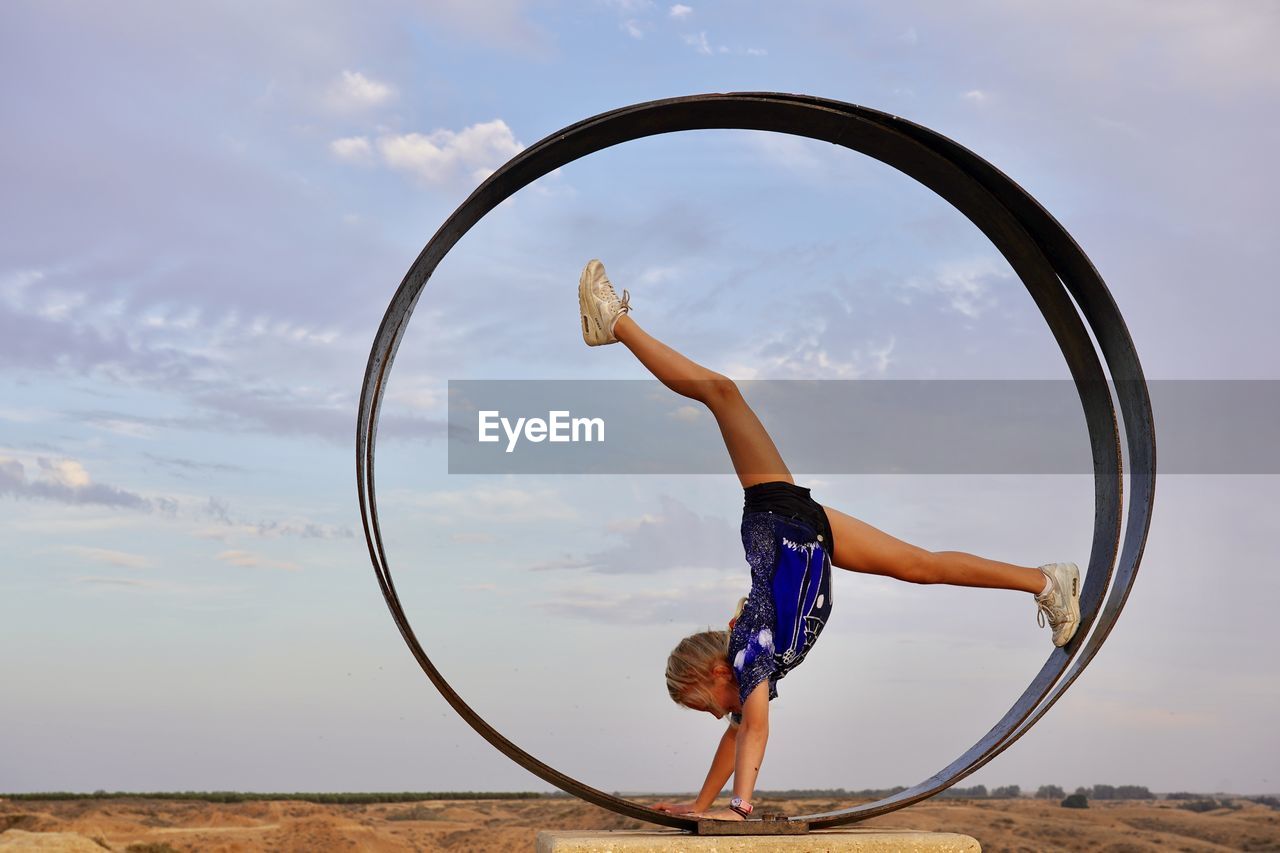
[{"x": 790, "y": 501}]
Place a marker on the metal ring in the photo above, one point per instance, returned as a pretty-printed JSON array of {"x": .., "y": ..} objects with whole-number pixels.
[{"x": 1055, "y": 271}]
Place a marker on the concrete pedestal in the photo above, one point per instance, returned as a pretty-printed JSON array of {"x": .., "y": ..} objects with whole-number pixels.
[{"x": 820, "y": 841}]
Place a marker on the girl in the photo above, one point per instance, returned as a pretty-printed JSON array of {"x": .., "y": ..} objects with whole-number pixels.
[{"x": 791, "y": 543}]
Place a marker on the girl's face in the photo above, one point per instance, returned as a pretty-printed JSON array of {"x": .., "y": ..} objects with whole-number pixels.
[{"x": 724, "y": 687}]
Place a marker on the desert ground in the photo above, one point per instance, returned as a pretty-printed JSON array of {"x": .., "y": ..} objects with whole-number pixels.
[{"x": 163, "y": 826}]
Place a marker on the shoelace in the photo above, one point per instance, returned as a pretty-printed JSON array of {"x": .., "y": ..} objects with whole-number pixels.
[
  {"x": 1043, "y": 610},
  {"x": 625, "y": 305}
]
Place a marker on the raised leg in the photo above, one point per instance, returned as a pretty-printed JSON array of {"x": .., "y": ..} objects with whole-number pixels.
[
  {"x": 755, "y": 457},
  {"x": 859, "y": 547}
]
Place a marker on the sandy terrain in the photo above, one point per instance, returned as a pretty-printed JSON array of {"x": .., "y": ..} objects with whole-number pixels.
[{"x": 160, "y": 826}]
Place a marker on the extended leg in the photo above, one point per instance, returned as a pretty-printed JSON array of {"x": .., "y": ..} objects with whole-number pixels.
[
  {"x": 755, "y": 457},
  {"x": 859, "y": 547}
]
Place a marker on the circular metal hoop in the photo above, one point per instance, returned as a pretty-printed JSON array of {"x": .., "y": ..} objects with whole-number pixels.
[{"x": 1055, "y": 271}]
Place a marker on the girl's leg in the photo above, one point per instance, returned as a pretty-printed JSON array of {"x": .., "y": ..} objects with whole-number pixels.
[
  {"x": 755, "y": 457},
  {"x": 859, "y": 547}
]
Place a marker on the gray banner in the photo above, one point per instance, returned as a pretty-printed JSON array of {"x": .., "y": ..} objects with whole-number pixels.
[{"x": 831, "y": 426}]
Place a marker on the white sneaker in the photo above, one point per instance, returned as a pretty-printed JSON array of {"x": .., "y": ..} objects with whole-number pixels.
[
  {"x": 599, "y": 305},
  {"x": 1061, "y": 604}
]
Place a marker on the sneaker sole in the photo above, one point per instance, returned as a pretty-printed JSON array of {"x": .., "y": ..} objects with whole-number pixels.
[
  {"x": 586, "y": 309},
  {"x": 1073, "y": 601}
]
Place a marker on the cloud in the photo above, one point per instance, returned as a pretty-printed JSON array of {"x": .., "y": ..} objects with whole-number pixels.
[
  {"x": 353, "y": 91},
  {"x": 120, "y": 559},
  {"x": 967, "y": 286},
  {"x": 815, "y": 349},
  {"x": 500, "y": 23},
  {"x": 496, "y": 504},
  {"x": 184, "y": 467},
  {"x": 352, "y": 149},
  {"x": 674, "y": 538},
  {"x": 631, "y": 7},
  {"x": 249, "y": 560},
  {"x": 565, "y": 562},
  {"x": 699, "y": 43},
  {"x": 445, "y": 155},
  {"x": 220, "y": 511},
  {"x": 688, "y": 414},
  {"x": 99, "y": 581},
  {"x": 699, "y": 603},
  {"x": 813, "y": 162},
  {"x": 192, "y": 592},
  {"x": 976, "y": 96},
  {"x": 680, "y": 11},
  {"x": 472, "y": 538},
  {"x": 64, "y": 481}
]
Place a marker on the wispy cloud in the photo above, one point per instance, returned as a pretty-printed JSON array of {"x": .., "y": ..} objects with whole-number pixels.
[
  {"x": 631, "y": 7},
  {"x": 184, "y": 466},
  {"x": 230, "y": 524},
  {"x": 120, "y": 559},
  {"x": 352, "y": 91},
  {"x": 699, "y": 603},
  {"x": 352, "y": 149},
  {"x": 699, "y": 42},
  {"x": 688, "y": 414},
  {"x": 248, "y": 560},
  {"x": 496, "y": 504},
  {"x": 967, "y": 287},
  {"x": 101, "y": 581},
  {"x": 675, "y": 537},
  {"x": 65, "y": 481},
  {"x": 679, "y": 11}
]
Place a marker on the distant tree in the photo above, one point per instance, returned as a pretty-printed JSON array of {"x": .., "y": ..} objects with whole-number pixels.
[
  {"x": 977, "y": 792},
  {"x": 1007, "y": 792},
  {"x": 1084, "y": 792},
  {"x": 1103, "y": 792},
  {"x": 1209, "y": 804},
  {"x": 1050, "y": 792},
  {"x": 1133, "y": 792},
  {"x": 1075, "y": 801}
]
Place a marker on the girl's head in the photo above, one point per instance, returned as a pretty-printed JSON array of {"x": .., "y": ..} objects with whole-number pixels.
[{"x": 699, "y": 676}]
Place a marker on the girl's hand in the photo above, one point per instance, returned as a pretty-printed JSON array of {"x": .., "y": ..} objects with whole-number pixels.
[
  {"x": 674, "y": 808},
  {"x": 718, "y": 814}
]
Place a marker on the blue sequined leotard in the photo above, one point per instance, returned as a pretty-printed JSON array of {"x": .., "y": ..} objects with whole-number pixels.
[{"x": 788, "y": 543}]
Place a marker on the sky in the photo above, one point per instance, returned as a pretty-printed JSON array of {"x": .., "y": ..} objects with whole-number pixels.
[{"x": 207, "y": 208}]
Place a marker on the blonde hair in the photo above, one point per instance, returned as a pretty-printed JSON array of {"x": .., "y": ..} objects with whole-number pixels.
[{"x": 690, "y": 665}]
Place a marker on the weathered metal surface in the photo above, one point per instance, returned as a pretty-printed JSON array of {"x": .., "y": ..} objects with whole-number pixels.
[
  {"x": 764, "y": 825},
  {"x": 1056, "y": 273}
]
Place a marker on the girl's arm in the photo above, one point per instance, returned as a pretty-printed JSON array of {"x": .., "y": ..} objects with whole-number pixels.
[
  {"x": 721, "y": 770},
  {"x": 751, "y": 737},
  {"x": 753, "y": 734}
]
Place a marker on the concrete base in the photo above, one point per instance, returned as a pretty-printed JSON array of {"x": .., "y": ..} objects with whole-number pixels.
[{"x": 819, "y": 841}]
